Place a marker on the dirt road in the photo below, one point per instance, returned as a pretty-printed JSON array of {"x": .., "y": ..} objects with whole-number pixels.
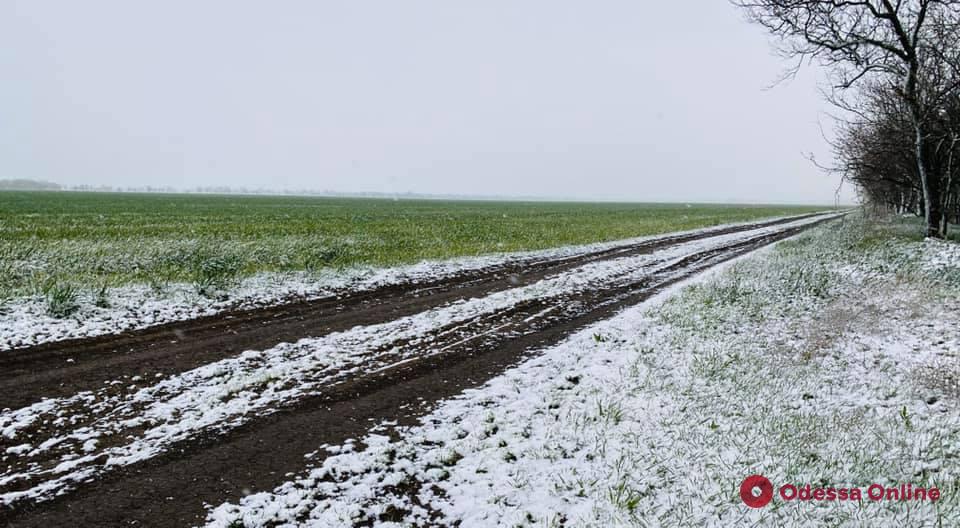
[{"x": 146, "y": 427}]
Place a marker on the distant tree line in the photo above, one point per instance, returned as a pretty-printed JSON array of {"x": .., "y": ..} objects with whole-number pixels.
[
  {"x": 28, "y": 185},
  {"x": 896, "y": 71},
  {"x": 35, "y": 185}
]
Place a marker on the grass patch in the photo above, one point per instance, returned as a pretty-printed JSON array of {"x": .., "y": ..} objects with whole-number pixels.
[{"x": 62, "y": 298}]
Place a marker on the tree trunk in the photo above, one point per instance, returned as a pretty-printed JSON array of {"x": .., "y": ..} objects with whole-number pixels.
[
  {"x": 932, "y": 193},
  {"x": 948, "y": 187}
]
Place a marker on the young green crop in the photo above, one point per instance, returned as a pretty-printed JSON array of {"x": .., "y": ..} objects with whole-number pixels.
[{"x": 94, "y": 239}]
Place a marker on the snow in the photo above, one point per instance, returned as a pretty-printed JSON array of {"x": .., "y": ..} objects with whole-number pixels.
[
  {"x": 142, "y": 422},
  {"x": 938, "y": 255},
  {"x": 808, "y": 363},
  {"x": 24, "y": 322}
]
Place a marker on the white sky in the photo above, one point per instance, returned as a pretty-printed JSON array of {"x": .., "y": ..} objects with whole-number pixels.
[{"x": 631, "y": 100}]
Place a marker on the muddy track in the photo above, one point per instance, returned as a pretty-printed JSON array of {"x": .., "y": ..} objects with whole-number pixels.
[
  {"x": 67, "y": 367},
  {"x": 171, "y": 489}
]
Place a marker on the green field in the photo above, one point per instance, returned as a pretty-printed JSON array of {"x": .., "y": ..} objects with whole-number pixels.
[{"x": 97, "y": 240}]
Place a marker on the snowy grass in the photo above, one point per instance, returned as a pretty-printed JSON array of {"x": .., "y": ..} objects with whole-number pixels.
[{"x": 831, "y": 360}]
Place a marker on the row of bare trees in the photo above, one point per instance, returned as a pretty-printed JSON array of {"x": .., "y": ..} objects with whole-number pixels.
[
  {"x": 895, "y": 66},
  {"x": 876, "y": 151}
]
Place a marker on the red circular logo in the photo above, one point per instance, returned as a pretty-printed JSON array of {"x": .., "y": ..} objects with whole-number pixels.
[{"x": 754, "y": 482}]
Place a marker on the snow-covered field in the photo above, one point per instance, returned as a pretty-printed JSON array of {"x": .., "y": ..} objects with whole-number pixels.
[
  {"x": 25, "y": 321},
  {"x": 830, "y": 359},
  {"x": 131, "y": 420}
]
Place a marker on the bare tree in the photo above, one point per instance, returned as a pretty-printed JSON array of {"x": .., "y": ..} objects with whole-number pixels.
[
  {"x": 860, "y": 39},
  {"x": 874, "y": 150}
]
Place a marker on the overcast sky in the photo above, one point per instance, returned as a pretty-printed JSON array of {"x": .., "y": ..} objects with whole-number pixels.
[{"x": 633, "y": 100}]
